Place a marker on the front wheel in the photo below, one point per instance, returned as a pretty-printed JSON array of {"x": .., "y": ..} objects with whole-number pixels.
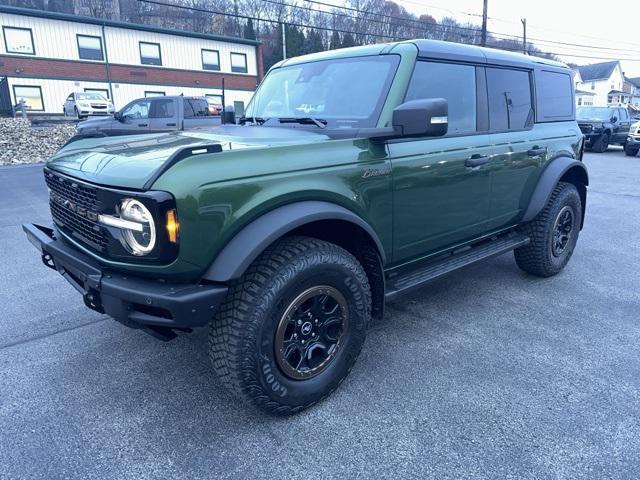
[
  {"x": 292, "y": 327},
  {"x": 602, "y": 143},
  {"x": 630, "y": 151},
  {"x": 553, "y": 233}
]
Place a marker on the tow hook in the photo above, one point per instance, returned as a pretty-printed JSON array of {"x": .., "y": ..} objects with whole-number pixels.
[
  {"x": 92, "y": 300},
  {"x": 47, "y": 259}
]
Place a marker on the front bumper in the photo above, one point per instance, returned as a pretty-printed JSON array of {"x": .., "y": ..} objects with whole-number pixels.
[{"x": 133, "y": 301}]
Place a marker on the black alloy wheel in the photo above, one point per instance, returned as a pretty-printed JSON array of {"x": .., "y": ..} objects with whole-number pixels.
[
  {"x": 562, "y": 230},
  {"x": 310, "y": 331}
]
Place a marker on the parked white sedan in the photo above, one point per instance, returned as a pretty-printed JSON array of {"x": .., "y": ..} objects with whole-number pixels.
[{"x": 84, "y": 104}]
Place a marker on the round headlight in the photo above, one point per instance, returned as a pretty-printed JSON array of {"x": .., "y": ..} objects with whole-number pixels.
[{"x": 139, "y": 241}]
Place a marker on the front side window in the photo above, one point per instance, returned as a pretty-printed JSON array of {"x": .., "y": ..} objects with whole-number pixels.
[
  {"x": 137, "y": 109},
  {"x": 455, "y": 83},
  {"x": 90, "y": 48},
  {"x": 210, "y": 60},
  {"x": 32, "y": 97},
  {"x": 162, "y": 108},
  {"x": 18, "y": 40},
  {"x": 150, "y": 54},
  {"x": 346, "y": 92},
  {"x": 239, "y": 63},
  {"x": 509, "y": 99}
]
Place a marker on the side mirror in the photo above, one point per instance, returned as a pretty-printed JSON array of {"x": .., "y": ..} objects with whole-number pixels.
[
  {"x": 426, "y": 117},
  {"x": 117, "y": 116},
  {"x": 614, "y": 119},
  {"x": 228, "y": 115}
]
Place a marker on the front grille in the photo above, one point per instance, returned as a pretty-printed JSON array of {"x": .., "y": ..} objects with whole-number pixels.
[
  {"x": 585, "y": 127},
  {"x": 102, "y": 107},
  {"x": 74, "y": 207}
]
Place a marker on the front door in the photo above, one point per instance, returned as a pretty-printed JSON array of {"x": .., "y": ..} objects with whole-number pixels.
[
  {"x": 623, "y": 124},
  {"x": 134, "y": 118},
  {"x": 442, "y": 185}
]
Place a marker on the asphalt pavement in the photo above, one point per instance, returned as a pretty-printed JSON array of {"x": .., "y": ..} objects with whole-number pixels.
[{"x": 487, "y": 373}]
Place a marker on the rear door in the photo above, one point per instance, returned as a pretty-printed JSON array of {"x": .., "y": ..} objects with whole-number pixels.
[
  {"x": 519, "y": 150},
  {"x": 441, "y": 197},
  {"x": 197, "y": 113},
  {"x": 163, "y": 115}
]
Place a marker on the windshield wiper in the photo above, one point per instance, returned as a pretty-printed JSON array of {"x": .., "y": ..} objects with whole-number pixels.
[
  {"x": 253, "y": 120},
  {"x": 319, "y": 122}
]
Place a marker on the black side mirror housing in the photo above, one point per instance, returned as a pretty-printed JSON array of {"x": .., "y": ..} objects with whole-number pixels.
[
  {"x": 117, "y": 116},
  {"x": 426, "y": 117},
  {"x": 228, "y": 115},
  {"x": 614, "y": 119}
]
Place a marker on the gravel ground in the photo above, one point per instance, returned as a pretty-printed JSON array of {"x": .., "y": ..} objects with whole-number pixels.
[
  {"x": 21, "y": 143},
  {"x": 488, "y": 373}
]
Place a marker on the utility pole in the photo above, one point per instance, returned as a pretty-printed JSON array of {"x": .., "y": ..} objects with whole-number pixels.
[
  {"x": 284, "y": 43},
  {"x": 483, "y": 40},
  {"x": 524, "y": 35}
]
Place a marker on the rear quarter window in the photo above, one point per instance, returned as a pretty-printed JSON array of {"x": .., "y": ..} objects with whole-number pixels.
[{"x": 554, "y": 92}]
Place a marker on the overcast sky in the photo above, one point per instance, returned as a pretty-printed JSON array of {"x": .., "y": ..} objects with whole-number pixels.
[{"x": 606, "y": 29}]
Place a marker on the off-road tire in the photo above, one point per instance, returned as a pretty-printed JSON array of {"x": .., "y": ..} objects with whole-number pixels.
[
  {"x": 242, "y": 335},
  {"x": 602, "y": 143},
  {"x": 630, "y": 151},
  {"x": 538, "y": 258}
]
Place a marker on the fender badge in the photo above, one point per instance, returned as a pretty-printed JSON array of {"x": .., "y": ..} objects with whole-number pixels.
[{"x": 376, "y": 172}]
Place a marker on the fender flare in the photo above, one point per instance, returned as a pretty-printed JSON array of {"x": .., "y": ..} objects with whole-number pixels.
[
  {"x": 548, "y": 180},
  {"x": 248, "y": 243}
]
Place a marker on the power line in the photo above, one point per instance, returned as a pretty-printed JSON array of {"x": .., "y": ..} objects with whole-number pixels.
[{"x": 396, "y": 37}]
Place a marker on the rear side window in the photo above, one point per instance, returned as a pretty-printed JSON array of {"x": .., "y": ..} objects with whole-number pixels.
[
  {"x": 195, "y": 107},
  {"x": 509, "y": 99},
  {"x": 554, "y": 92},
  {"x": 162, "y": 108},
  {"x": 455, "y": 83}
]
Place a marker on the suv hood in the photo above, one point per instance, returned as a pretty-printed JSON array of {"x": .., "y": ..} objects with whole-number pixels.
[{"x": 130, "y": 161}]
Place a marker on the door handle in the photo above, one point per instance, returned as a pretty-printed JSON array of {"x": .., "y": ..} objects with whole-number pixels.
[
  {"x": 536, "y": 151},
  {"x": 171, "y": 124},
  {"x": 143, "y": 124},
  {"x": 476, "y": 160}
]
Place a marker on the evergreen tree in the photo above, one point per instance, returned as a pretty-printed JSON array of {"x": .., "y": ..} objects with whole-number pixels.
[
  {"x": 249, "y": 32},
  {"x": 313, "y": 42},
  {"x": 348, "y": 41}
]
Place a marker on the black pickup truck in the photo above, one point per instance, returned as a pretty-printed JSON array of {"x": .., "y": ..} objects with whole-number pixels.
[
  {"x": 152, "y": 115},
  {"x": 603, "y": 126}
]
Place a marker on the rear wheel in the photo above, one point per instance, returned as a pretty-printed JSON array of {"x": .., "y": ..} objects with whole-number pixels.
[
  {"x": 553, "y": 233},
  {"x": 602, "y": 143},
  {"x": 292, "y": 326},
  {"x": 630, "y": 151}
]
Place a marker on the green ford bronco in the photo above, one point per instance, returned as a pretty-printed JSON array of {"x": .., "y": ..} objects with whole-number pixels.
[{"x": 355, "y": 176}]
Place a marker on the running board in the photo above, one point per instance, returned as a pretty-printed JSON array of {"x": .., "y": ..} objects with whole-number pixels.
[{"x": 451, "y": 262}]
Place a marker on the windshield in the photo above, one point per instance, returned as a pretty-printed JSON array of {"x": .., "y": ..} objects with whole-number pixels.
[
  {"x": 347, "y": 92},
  {"x": 594, "y": 113},
  {"x": 89, "y": 96}
]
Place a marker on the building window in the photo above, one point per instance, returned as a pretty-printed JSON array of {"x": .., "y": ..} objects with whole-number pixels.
[
  {"x": 150, "y": 54},
  {"x": 210, "y": 60},
  {"x": 579, "y": 101},
  {"x": 31, "y": 95},
  {"x": 89, "y": 47},
  {"x": 18, "y": 40},
  {"x": 151, "y": 93},
  {"x": 100, "y": 91},
  {"x": 239, "y": 63}
]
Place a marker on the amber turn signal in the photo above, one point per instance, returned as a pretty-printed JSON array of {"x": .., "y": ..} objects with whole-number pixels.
[{"x": 173, "y": 227}]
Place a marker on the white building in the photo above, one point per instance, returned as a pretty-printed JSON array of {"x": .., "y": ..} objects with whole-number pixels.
[
  {"x": 45, "y": 56},
  {"x": 604, "y": 82}
]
